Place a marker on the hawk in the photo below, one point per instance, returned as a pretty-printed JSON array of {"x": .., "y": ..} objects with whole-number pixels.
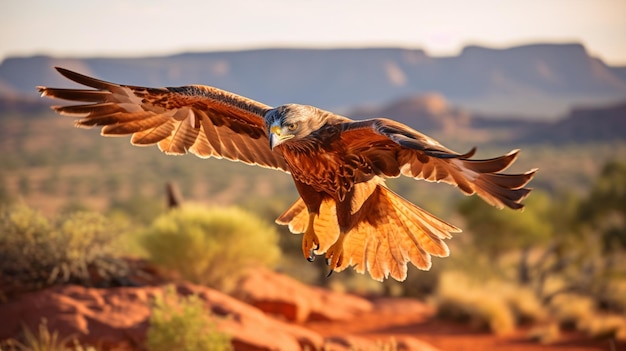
[{"x": 338, "y": 165}]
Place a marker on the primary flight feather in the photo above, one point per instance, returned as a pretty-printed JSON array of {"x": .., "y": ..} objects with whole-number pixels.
[{"x": 338, "y": 165}]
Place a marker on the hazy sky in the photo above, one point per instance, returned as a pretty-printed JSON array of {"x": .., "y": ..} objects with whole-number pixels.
[{"x": 441, "y": 27}]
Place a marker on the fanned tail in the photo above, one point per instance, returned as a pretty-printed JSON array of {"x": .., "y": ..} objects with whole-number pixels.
[{"x": 390, "y": 233}]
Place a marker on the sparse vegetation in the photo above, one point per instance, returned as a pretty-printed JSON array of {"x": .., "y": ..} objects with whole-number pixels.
[
  {"x": 36, "y": 252},
  {"x": 482, "y": 305},
  {"x": 559, "y": 256},
  {"x": 43, "y": 340},
  {"x": 605, "y": 326},
  {"x": 183, "y": 323},
  {"x": 558, "y": 263},
  {"x": 211, "y": 246}
]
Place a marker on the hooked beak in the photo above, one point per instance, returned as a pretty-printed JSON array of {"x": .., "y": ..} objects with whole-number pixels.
[{"x": 276, "y": 138}]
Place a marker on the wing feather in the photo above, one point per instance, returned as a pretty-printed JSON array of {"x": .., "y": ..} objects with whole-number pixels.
[
  {"x": 393, "y": 149},
  {"x": 129, "y": 123},
  {"x": 77, "y": 94},
  {"x": 154, "y": 135},
  {"x": 203, "y": 120},
  {"x": 182, "y": 137},
  {"x": 106, "y": 108},
  {"x": 210, "y": 131}
]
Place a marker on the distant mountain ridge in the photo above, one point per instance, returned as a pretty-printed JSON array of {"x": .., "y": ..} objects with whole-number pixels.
[
  {"x": 540, "y": 79},
  {"x": 432, "y": 114}
]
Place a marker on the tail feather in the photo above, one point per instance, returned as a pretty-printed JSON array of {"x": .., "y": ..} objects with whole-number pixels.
[
  {"x": 390, "y": 233},
  {"x": 396, "y": 232}
]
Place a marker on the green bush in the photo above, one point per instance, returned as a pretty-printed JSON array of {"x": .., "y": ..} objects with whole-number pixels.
[
  {"x": 213, "y": 247},
  {"x": 183, "y": 324},
  {"x": 36, "y": 252}
]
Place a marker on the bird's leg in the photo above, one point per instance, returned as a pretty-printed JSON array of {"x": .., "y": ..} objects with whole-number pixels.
[
  {"x": 334, "y": 255},
  {"x": 310, "y": 239}
]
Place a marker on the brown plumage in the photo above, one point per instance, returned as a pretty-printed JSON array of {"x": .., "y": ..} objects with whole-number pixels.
[{"x": 338, "y": 165}]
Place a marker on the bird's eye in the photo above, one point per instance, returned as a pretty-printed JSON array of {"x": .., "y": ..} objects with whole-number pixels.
[{"x": 292, "y": 126}]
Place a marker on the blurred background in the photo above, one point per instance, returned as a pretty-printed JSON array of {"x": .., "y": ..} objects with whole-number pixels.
[{"x": 546, "y": 77}]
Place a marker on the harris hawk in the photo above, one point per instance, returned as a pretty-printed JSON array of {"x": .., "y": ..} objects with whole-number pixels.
[{"x": 338, "y": 165}]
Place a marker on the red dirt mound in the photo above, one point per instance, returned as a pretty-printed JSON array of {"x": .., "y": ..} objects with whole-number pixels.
[
  {"x": 280, "y": 295},
  {"x": 277, "y": 313},
  {"x": 117, "y": 318}
]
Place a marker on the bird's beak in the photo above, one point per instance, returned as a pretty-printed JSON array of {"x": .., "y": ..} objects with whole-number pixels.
[
  {"x": 276, "y": 137},
  {"x": 274, "y": 141}
]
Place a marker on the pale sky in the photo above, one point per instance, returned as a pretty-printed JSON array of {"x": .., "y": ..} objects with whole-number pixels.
[{"x": 441, "y": 27}]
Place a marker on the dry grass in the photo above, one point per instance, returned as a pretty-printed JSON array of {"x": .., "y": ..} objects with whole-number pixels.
[
  {"x": 77, "y": 248},
  {"x": 578, "y": 312},
  {"x": 604, "y": 326},
  {"x": 500, "y": 307},
  {"x": 570, "y": 309},
  {"x": 523, "y": 302},
  {"x": 488, "y": 304},
  {"x": 43, "y": 340},
  {"x": 615, "y": 294},
  {"x": 545, "y": 334},
  {"x": 480, "y": 305}
]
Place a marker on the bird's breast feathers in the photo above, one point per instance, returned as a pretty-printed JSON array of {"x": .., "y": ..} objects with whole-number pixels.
[{"x": 334, "y": 171}]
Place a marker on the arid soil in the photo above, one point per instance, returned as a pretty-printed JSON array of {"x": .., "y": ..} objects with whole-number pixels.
[
  {"x": 270, "y": 311},
  {"x": 401, "y": 320}
]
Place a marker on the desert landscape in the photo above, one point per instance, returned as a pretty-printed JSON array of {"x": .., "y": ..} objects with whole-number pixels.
[{"x": 105, "y": 246}]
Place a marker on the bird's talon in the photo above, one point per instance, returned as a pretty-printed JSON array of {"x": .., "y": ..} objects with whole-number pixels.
[
  {"x": 334, "y": 255},
  {"x": 310, "y": 242},
  {"x": 330, "y": 273}
]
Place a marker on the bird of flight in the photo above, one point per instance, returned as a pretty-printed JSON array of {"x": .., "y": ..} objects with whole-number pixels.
[{"x": 338, "y": 165}]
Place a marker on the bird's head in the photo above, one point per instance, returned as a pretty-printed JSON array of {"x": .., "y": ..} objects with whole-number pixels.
[{"x": 292, "y": 122}]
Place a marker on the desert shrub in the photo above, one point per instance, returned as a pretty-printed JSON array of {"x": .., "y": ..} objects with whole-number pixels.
[
  {"x": 211, "y": 246},
  {"x": 613, "y": 296},
  {"x": 492, "y": 305},
  {"x": 524, "y": 303},
  {"x": 36, "y": 252},
  {"x": 545, "y": 334},
  {"x": 570, "y": 309},
  {"x": 183, "y": 323},
  {"x": 573, "y": 311},
  {"x": 43, "y": 340},
  {"x": 603, "y": 326}
]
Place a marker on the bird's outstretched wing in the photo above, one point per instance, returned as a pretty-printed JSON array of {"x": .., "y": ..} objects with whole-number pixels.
[
  {"x": 203, "y": 120},
  {"x": 392, "y": 148}
]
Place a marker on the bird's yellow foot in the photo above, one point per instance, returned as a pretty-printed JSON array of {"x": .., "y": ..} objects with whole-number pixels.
[
  {"x": 334, "y": 255},
  {"x": 310, "y": 242}
]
